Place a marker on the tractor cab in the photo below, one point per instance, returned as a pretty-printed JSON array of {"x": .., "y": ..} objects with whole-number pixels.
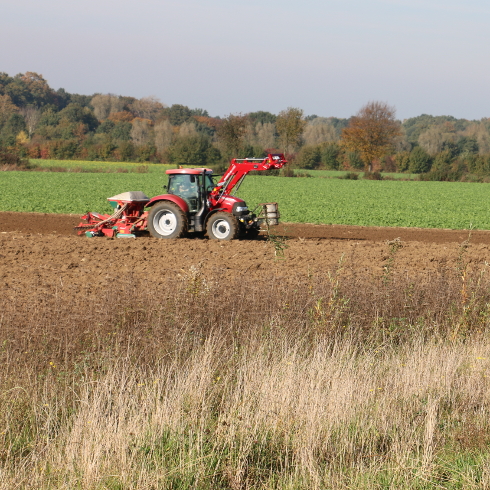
[{"x": 192, "y": 185}]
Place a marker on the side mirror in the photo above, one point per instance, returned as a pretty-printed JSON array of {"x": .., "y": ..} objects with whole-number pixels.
[{"x": 164, "y": 186}]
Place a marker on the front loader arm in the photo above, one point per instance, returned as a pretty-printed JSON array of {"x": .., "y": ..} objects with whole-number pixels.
[{"x": 240, "y": 167}]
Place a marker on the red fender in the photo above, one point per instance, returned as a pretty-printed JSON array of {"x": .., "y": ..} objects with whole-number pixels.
[{"x": 169, "y": 197}]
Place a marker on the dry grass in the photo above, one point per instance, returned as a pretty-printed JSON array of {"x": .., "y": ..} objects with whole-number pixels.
[{"x": 332, "y": 381}]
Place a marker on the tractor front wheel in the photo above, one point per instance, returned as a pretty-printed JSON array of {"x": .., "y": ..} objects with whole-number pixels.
[
  {"x": 167, "y": 220},
  {"x": 222, "y": 226}
]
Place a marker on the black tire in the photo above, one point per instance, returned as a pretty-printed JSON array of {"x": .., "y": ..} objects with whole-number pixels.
[
  {"x": 222, "y": 226},
  {"x": 167, "y": 220}
]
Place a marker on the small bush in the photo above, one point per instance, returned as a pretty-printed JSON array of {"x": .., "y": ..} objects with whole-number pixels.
[
  {"x": 350, "y": 176},
  {"x": 287, "y": 172},
  {"x": 441, "y": 176},
  {"x": 11, "y": 160},
  {"x": 372, "y": 176}
]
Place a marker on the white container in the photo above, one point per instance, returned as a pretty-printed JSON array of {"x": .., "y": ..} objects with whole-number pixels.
[{"x": 271, "y": 213}]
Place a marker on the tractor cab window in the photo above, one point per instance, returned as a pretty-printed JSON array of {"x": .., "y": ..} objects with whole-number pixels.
[
  {"x": 186, "y": 187},
  {"x": 208, "y": 182}
]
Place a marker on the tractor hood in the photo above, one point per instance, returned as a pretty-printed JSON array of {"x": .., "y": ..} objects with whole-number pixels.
[{"x": 230, "y": 202}]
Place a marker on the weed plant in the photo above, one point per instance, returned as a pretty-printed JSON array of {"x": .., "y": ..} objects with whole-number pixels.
[{"x": 336, "y": 380}]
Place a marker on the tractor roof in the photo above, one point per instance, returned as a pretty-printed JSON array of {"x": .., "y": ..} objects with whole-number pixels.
[{"x": 189, "y": 171}]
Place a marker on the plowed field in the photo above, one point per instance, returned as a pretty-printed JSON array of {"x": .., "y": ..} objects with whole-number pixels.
[{"x": 40, "y": 255}]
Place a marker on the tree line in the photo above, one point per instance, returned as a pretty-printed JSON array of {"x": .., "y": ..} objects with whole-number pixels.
[{"x": 37, "y": 121}]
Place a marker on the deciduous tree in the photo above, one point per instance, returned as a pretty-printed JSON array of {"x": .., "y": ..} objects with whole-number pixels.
[
  {"x": 320, "y": 130},
  {"x": 371, "y": 132},
  {"x": 32, "y": 115},
  {"x": 106, "y": 104},
  {"x": 231, "y": 133},
  {"x": 7, "y": 108},
  {"x": 164, "y": 132},
  {"x": 147, "y": 107},
  {"x": 290, "y": 125},
  {"x": 265, "y": 135},
  {"x": 140, "y": 132},
  {"x": 419, "y": 161}
]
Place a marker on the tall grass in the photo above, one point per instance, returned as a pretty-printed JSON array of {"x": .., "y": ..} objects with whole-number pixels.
[{"x": 337, "y": 380}]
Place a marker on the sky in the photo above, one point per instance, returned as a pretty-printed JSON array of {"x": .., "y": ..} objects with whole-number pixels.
[{"x": 327, "y": 57}]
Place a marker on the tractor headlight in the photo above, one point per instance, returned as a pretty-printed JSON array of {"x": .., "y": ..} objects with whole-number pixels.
[{"x": 240, "y": 209}]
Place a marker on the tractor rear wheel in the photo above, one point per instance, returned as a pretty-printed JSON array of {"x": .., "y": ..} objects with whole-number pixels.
[
  {"x": 222, "y": 226},
  {"x": 167, "y": 220}
]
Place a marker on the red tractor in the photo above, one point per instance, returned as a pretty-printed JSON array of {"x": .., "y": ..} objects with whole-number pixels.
[{"x": 193, "y": 203}]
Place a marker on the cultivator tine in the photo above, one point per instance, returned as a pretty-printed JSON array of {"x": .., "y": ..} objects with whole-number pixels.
[{"x": 81, "y": 229}]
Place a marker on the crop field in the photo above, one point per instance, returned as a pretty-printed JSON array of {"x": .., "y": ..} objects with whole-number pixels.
[
  {"x": 322, "y": 201},
  {"x": 336, "y": 174},
  {"x": 94, "y": 166},
  {"x": 134, "y": 167}
]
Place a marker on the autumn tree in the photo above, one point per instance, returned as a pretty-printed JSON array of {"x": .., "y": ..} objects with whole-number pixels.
[
  {"x": 32, "y": 115},
  {"x": 163, "y": 135},
  {"x": 40, "y": 92},
  {"x": 290, "y": 125},
  {"x": 259, "y": 135},
  {"x": 7, "y": 108},
  {"x": 231, "y": 133},
  {"x": 106, "y": 104},
  {"x": 147, "y": 107},
  {"x": 141, "y": 131},
  {"x": 320, "y": 130},
  {"x": 371, "y": 132}
]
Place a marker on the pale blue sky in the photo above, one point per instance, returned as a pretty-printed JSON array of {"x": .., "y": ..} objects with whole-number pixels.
[{"x": 326, "y": 57}]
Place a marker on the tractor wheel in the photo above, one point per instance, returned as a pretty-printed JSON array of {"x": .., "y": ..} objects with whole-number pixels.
[
  {"x": 167, "y": 220},
  {"x": 222, "y": 226}
]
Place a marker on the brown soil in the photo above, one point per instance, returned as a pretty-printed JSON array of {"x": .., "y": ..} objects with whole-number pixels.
[{"x": 40, "y": 255}]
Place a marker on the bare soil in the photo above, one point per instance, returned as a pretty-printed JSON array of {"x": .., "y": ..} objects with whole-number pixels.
[{"x": 41, "y": 256}]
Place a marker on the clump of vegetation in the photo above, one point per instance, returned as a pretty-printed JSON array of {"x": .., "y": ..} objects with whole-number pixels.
[
  {"x": 350, "y": 176},
  {"x": 11, "y": 160},
  {"x": 376, "y": 175}
]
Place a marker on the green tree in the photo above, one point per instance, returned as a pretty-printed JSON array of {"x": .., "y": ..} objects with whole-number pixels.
[
  {"x": 402, "y": 161},
  {"x": 106, "y": 127},
  {"x": 261, "y": 117},
  {"x": 442, "y": 161},
  {"x": 331, "y": 156},
  {"x": 290, "y": 125},
  {"x": 420, "y": 161},
  {"x": 177, "y": 114},
  {"x": 195, "y": 150},
  {"x": 49, "y": 118},
  {"x": 371, "y": 132},
  {"x": 354, "y": 160},
  {"x": 75, "y": 113},
  {"x": 309, "y": 157},
  {"x": 122, "y": 131}
]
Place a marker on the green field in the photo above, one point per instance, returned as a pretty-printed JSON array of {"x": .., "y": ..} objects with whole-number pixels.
[
  {"x": 337, "y": 174},
  {"x": 133, "y": 167},
  {"x": 331, "y": 201},
  {"x": 92, "y": 166}
]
